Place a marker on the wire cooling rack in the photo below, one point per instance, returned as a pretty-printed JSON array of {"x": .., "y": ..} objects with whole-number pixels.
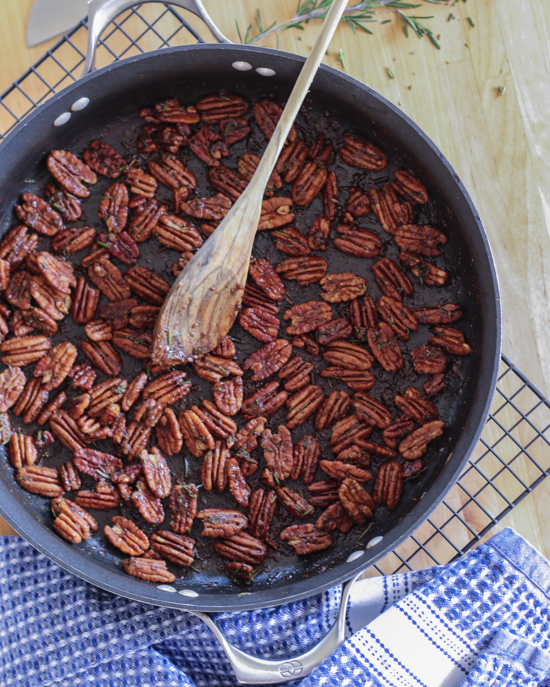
[{"x": 513, "y": 455}]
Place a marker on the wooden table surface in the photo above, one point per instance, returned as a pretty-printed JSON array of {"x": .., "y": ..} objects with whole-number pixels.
[{"x": 498, "y": 143}]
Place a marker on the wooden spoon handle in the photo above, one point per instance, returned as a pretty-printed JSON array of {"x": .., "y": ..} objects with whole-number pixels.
[{"x": 299, "y": 92}]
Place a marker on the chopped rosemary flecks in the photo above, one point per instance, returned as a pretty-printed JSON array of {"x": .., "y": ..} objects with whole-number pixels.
[
  {"x": 471, "y": 21},
  {"x": 501, "y": 90},
  {"x": 390, "y": 73},
  {"x": 341, "y": 59}
]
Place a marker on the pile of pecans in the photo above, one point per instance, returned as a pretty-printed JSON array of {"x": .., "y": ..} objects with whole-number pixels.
[{"x": 313, "y": 364}]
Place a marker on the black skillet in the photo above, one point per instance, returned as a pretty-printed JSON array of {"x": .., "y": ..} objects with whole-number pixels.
[{"x": 104, "y": 104}]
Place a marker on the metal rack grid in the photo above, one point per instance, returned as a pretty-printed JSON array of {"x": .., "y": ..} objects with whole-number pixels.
[{"x": 513, "y": 455}]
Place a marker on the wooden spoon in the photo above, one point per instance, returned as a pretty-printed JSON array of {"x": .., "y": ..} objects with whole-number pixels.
[{"x": 205, "y": 298}]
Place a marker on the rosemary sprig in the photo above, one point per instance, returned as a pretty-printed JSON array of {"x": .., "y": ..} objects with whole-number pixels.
[{"x": 356, "y": 17}]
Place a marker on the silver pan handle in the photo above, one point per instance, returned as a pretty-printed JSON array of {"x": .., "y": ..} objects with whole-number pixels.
[
  {"x": 102, "y": 12},
  {"x": 258, "y": 671}
]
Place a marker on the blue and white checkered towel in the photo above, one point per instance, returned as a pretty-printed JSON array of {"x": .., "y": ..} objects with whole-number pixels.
[{"x": 482, "y": 620}]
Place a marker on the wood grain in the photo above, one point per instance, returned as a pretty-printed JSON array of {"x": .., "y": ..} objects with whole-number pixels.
[{"x": 499, "y": 144}]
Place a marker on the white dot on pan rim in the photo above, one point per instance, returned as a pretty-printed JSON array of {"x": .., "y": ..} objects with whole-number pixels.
[
  {"x": 188, "y": 592},
  {"x": 265, "y": 71},
  {"x": 374, "y": 541},
  {"x": 62, "y": 119},
  {"x": 241, "y": 66},
  {"x": 354, "y": 556},
  {"x": 80, "y": 104},
  {"x": 166, "y": 588}
]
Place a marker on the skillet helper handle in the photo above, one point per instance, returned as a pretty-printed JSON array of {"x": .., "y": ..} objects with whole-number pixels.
[
  {"x": 258, "y": 671},
  {"x": 102, "y": 12}
]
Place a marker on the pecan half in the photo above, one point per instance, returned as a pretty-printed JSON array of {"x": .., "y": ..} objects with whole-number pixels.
[
  {"x": 260, "y": 322},
  {"x": 420, "y": 239},
  {"x": 385, "y": 347},
  {"x": 338, "y": 470},
  {"x": 334, "y": 330},
  {"x": 121, "y": 246},
  {"x": 213, "y": 368},
  {"x": 266, "y": 278},
  {"x": 348, "y": 355},
  {"x": 219, "y": 424},
  {"x": 146, "y": 285},
  {"x": 242, "y": 547},
  {"x": 319, "y": 233},
  {"x": 409, "y": 187},
  {"x": 24, "y": 350},
  {"x": 429, "y": 274},
  {"x": 83, "y": 376},
  {"x": 357, "y": 241},
  {"x": 56, "y": 271},
  {"x": 196, "y": 435},
  {"x": 334, "y": 408},
  {"x": 264, "y": 402},
  {"x": 363, "y": 316},
  {"x": 172, "y": 173},
  {"x": 246, "y": 168},
  {"x": 134, "y": 343},
  {"x": 214, "y": 209},
  {"x": 67, "y": 205},
  {"x": 357, "y": 502},
  {"x": 177, "y": 548},
  {"x": 389, "y": 210},
  {"x": 95, "y": 463},
  {"x": 415, "y": 444},
  {"x": 297, "y": 373},
  {"x": 247, "y": 437},
  {"x": 335, "y": 517},
  {"x": 275, "y": 213},
  {"x": 178, "y": 234},
  {"x": 40, "y": 480},
  {"x": 294, "y": 502},
  {"x": 85, "y": 302},
  {"x": 391, "y": 279},
  {"x": 145, "y": 220},
  {"x": 398, "y": 316},
  {"x": 330, "y": 196},
  {"x": 71, "y": 521},
  {"x": 55, "y": 365},
  {"x": 358, "y": 152},
  {"x": 303, "y": 404},
  {"x": 324, "y": 493},
  {"x": 12, "y": 383},
  {"x": 98, "y": 330},
  {"x": 71, "y": 240},
  {"x": 255, "y": 297},
  {"x": 18, "y": 290},
  {"x": 70, "y": 172},
  {"x": 305, "y": 270},
  {"x": 342, "y": 287},
  {"x": 237, "y": 485},
  {"x": 388, "y": 485},
  {"x": 128, "y": 474},
  {"x": 226, "y": 181},
  {"x": 67, "y": 431},
  {"x": 105, "y": 160},
  {"x": 109, "y": 280},
  {"x": 219, "y": 522},
  {"x": 451, "y": 340},
  {"x": 143, "y": 316},
  {"x": 127, "y": 536},
  {"x": 415, "y": 405},
  {"x": 439, "y": 314},
  {"x": 278, "y": 453},
  {"x": 214, "y": 467},
  {"x": 267, "y": 360},
  {"x": 168, "y": 388},
  {"x": 305, "y": 459},
  {"x": 17, "y": 244},
  {"x": 102, "y": 356},
  {"x": 148, "y": 504},
  {"x": 306, "y": 538},
  {"x": 104, "y": 394},
  {"x": 118, "y": 312},
  {"x": 434, "y": 385},
  {"x": 397, "y": 430},
  {"x": 183, "y": 507},
  {"x": 357, "y": 205},
  {"x": 169, "y": 436},
  {"x": 348, "y": 431},
  {"x": 141, "y": 184},
  {"x": 215, "y": 108},
  {"x": 233, "y": 129},
  {"x": 22, "y": 450},
  {"x": 261, "y": 510},
  {"x": 305, "y": 317},
  {"x": 148, "y": 569},
  {"x": 171, "y": 111},
  {"x": 35, "y": 213},
  {"x": 429, "y": 359},
  {"x": 266, "y": 114},
  {"x": 291, "y": 160},
  {"x": 31, "y": 401},
  {"x": 55, "y": 303},
  {"x": 309, "y": 183}
]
